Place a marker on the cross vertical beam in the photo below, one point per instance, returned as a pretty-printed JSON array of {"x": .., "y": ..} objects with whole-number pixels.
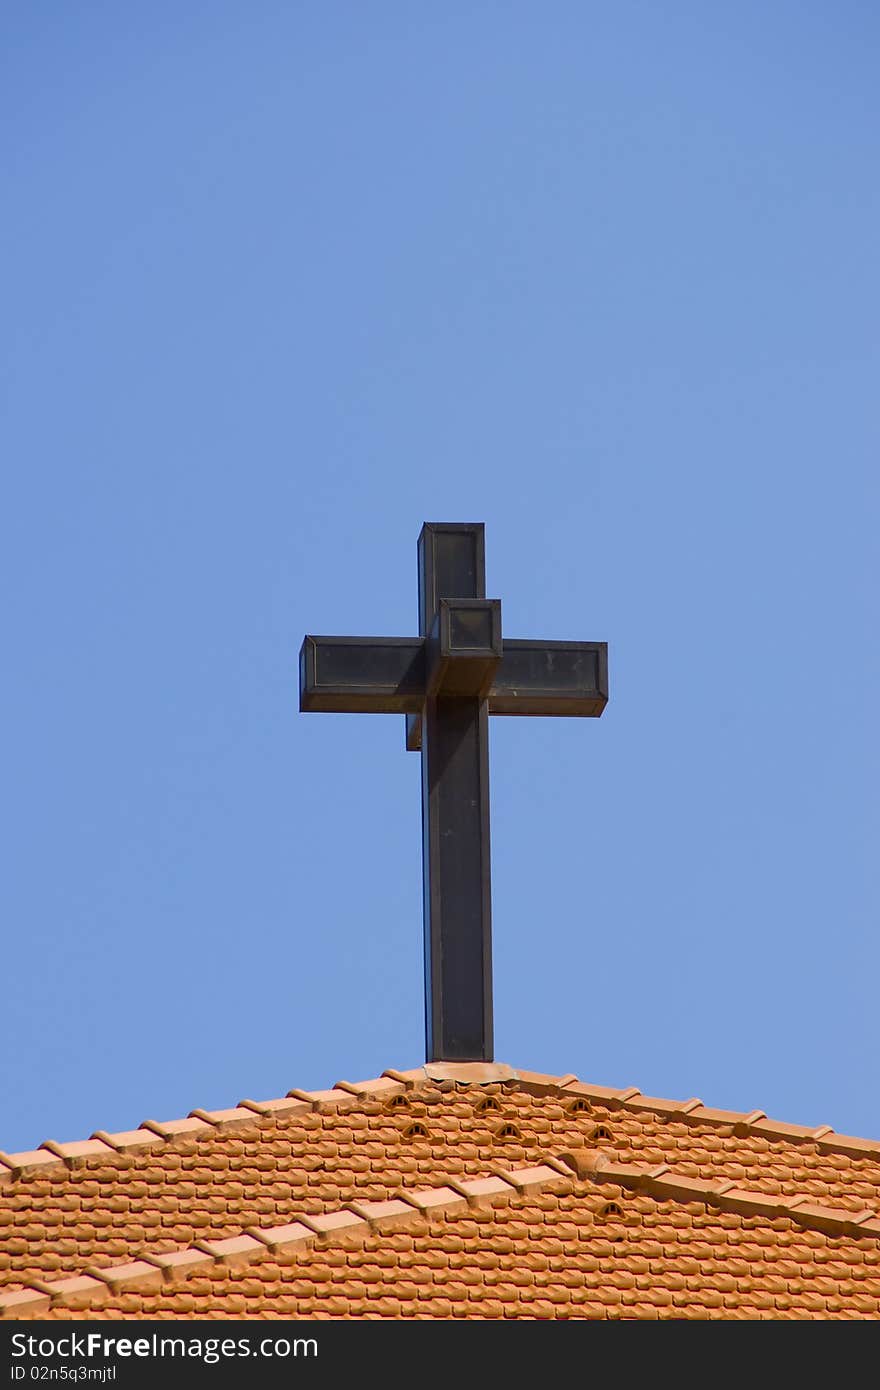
[{"x": 455, "y": 821}]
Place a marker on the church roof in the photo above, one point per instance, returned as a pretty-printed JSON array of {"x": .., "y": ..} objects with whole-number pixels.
[{"x": 453, "y": 1190}]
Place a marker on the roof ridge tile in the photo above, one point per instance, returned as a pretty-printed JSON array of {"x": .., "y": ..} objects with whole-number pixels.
[
  {"x": 850, "y": 1145},
  {"x": 42, "y": 1283},
  {"x": 833, "y": 1220},
  {"x": 283, "y": 1105},
  {"x": 135, "y": 1274},
  {"x": 606, "y": 1095},
  {"x": 713, "y": 1116},
  {"x": 233, "y": 1118},
  {"x": 485, "y": 1191},
  {"x": 379, "y": 1086},
  {"x": 130, "y": 1140},
  {"x": 393, "y": 1212},
  {"x": 29, "y": 1160},
  {"x": 539, "y": 1082},
  {"x": 233, "y": 1250},
  {"x": 172, "y": 1129},
  {"x": 77, "y": 1151},
  {"x": 658, "y": 1105},
  {"x": 407, "y": 1078},
  {"x": 291, "y": 1235},
  {"x": 330, "y": 1099},
  {"x": 426, "y": 1199},
  {"x": 28, "y": 1300},
  {"x": 342, "y": 1222},
  {"x": 171, "y": 1260},
  {"x": 470, "y": 1073},
  {"x": 76, "y": 1290},
  {"x": 780, "y": 1129},
  {"x": 664, "y": 1183},
  {"x": 537, "y": 1176}
]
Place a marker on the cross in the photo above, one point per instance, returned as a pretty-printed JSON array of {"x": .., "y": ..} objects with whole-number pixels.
[{"x": 447, "y": 681}]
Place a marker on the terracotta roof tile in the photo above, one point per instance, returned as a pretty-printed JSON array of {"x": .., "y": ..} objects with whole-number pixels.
[
  {"x": 382, "y": 1087},
  {"x": 243, "y": 1249},
  {"x": 484, "y": 1191},
  {"x": 78, "y": 1291},
  {"x": 544, "y": 1081},
  {"x": 170, "y": 1129},
  {"x": 607, "y": 1095},
  {"x": 532, "y": 1179},
  {"x": 425, "y": 1199},
  {"x": 835, "y": 1220},
  {"x": 177, "y": 1261},
  {"x": 225, "y": 1119},
  {"x": 293, "y": 1235},
  {"x": 234, "y": 1250},
  {"x": 137, "y": 1274},
  {"x": 658, "y": 1106},
  {"x": 707, "y": 1115},
  {"x": 81, "y": 1149},
  {"x": 473, "y": 1153},
  {"x": 414, "y": 1077},
  {"x": 284, "y": 1105},
  {"x": 845, "y": 1144},
  {"x": 23, "y": 1302},
  {"x": 470, "y": 1073},
  {"x": 29, "y": 1161},
  {"x": 336, "y": 1223},
  {"x": 330, "y": 1099},
  {"x": 776, "y": 1129},
  {"x": 129, "y": 1141},
  {"x": 383, "y": 1214}
]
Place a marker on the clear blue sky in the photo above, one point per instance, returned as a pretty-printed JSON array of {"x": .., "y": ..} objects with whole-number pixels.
[{"x": 280, "y": 282}]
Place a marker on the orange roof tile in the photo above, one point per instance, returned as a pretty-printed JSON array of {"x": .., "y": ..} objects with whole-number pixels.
[{"x": 452, "y": 1190}]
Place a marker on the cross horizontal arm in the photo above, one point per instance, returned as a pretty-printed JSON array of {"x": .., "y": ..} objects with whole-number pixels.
[
  {"x": 362, "y": 675},
  {"x": 386, "y": 675},
  {"x": 550, "y": 678}
]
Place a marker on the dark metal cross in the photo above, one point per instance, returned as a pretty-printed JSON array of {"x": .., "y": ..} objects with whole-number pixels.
[{"x": 447, "y": 681}]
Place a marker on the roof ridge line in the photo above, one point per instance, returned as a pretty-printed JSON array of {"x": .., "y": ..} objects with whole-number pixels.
[
  {"x": 693, "y": 1111},
  {"x": 50, "y": 1155},
  {"x": 662, "y": 1181},
  {"x": 352, "y": 1221}
]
